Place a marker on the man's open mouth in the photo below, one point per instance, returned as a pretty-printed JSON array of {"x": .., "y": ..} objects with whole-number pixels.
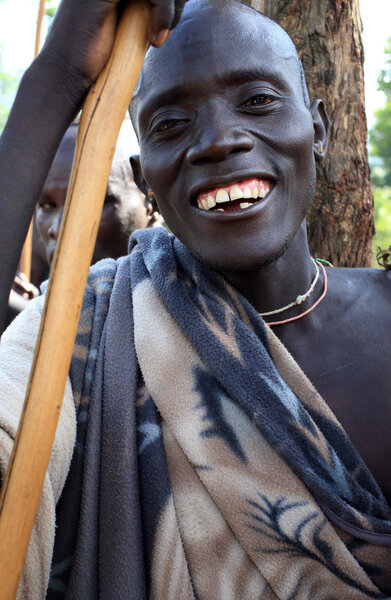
[{"x": 237, "y": 196}]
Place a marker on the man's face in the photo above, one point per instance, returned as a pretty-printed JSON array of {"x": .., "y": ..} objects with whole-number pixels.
[
  {"x": 123, "y": 211},
  {"x": 219, "y": 109}
]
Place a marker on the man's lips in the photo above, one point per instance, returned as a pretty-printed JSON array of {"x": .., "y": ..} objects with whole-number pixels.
[{"x": 239, "y": 195}]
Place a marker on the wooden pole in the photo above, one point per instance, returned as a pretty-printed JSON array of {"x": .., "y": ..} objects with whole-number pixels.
[
  {"x": 25, "y": 258},
  {"x": 101, "y": 120},
  {"x": 38, "y": 31}
]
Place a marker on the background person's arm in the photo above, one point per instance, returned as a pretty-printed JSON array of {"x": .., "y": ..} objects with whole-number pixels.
[
  {"x": 50, "y": 94},
  {"x": 16, "y": 353}
]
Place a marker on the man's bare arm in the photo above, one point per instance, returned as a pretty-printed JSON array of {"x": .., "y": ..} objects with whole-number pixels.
[{"x": 50, "y": 94}]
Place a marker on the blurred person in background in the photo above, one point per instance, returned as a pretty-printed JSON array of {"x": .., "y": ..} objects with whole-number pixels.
[{"x": 125, "y": 209}]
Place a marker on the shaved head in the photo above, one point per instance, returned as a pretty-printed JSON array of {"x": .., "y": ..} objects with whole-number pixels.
[{"x": 199, "y": 10}]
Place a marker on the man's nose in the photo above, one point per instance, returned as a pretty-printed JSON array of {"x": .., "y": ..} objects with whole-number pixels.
[
  {"x": 54, "y": 228},
  {"x": 218, "y": 138}
]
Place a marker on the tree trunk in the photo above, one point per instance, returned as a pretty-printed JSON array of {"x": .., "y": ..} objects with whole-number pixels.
[{"x": 327, "y": 34}]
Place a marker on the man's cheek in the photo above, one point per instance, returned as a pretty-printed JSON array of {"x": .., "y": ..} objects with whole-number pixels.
[
  {"x": 42, "y": 228},
  {"x": 159, "y": 166}
]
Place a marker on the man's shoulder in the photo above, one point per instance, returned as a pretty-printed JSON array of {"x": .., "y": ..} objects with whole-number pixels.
[
  {"x": 362, "y": 294},
  {"x": 357, "y": 279}
]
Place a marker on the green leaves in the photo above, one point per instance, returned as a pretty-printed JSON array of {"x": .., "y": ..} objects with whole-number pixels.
[
  {"x": 384, "y": 77},
  {"x": 380, "y": 134},
  {"x": 382, "y": 217},
  {"x": 380, "y": 150},
  {"x": 51, "y": 7},
  {"x": 380, "y": 141},
  {"x": 8, "y": 84}
]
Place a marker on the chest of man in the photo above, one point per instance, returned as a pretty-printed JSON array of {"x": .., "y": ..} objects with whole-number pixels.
[{"x": 349, "y": 363}]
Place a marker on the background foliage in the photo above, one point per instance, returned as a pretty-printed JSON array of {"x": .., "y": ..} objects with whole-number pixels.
[
  {"x": 380, "y": 156},
  {"x": 8, "y": 85},
  {"x": 382, "y": 217},
  {"x": 380, "y": 134},
  {"x": 9, "y": 81}
]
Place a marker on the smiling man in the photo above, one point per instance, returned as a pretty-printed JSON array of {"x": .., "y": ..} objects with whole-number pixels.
[
  {"x": 231, "y": 437},
  {"x": 231, "y": 128}
]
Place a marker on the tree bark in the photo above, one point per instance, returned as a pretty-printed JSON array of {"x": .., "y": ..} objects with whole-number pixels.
[{"x": 327, "y": 34}]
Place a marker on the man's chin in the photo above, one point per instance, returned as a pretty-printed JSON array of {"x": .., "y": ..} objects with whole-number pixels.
[{"x": 246, "y": 264}]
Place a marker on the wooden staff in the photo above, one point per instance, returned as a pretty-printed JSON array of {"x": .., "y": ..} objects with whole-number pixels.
[
  {"x": 102, "y": 116},
  {"x": 38, "y": 31},
  {"x": 25, "y": 258}
]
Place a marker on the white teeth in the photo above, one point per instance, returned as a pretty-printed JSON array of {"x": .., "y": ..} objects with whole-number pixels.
[
  {"x": 235, "y": 192},
  {"x": 247, "y": 192},
  {"x": 220, "y": 210},
  {"x": 210, "y": 201},
  {"x": 222, "y": 196}
]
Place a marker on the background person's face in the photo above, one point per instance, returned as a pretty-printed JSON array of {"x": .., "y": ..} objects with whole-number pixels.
[{"x": 123, "y": 212}]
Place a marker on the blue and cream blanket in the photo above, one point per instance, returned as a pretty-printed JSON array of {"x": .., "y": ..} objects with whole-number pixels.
[{"x": 207, "y": 467}]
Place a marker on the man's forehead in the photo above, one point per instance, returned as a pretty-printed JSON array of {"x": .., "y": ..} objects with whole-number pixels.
[
  {"x": 222, "y": 34},
  {"x": 204, "y": 16},
  {"x": 214, "y": 24}
]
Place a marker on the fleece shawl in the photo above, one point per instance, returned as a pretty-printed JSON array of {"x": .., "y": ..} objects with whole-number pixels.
[{"x": 206, "y": 466}]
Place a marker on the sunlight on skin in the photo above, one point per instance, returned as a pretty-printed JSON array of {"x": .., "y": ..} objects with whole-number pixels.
[{"x": 22, "y": 15}]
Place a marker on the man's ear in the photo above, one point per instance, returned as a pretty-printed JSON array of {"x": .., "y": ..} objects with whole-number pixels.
[
  {"x": 321, "y": 129},
  {"x": 150, "y": 200},
  {"x": 138, "y": 174}
]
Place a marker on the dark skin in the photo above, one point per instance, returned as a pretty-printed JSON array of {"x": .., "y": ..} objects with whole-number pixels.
[
  {"x": 51, "y": 93},
  {"x": 125, "y": 208},
  {"x": 22, "y": 291},
  {"x": 231, "y": 108},
  {"x": 220, "y": 129}
]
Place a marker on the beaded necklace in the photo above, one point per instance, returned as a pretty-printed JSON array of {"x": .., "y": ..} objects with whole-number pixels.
[
  {"x": 299, "y": 298},
  {"x": 317, "y": 262}
]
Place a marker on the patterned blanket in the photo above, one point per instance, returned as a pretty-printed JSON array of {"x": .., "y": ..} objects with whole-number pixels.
[{"x": 207, "y": 467}]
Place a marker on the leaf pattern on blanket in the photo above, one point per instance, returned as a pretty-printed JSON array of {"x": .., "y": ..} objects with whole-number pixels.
[
  {"x": 241, "y": 426},
  {"x": 237, "y": 456},
  {"x": 212, "y": 403},
  {"x": 267, "y": 519}
]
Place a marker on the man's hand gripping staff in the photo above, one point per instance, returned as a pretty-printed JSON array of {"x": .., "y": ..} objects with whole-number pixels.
[
  {"x": 52, "y": 90},
  {"x": 83, "y": 39}
]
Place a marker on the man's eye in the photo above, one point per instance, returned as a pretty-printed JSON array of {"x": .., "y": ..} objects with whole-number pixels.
[
  {"x": 168, "y": 124},
  {"x": 165, "y": 125},
  {"x": 258, "y": 100},
  {"x": 47, "y": 205}
]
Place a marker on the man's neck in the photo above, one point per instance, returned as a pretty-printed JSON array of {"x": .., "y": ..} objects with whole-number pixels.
[{"x": 278, "y": 283}]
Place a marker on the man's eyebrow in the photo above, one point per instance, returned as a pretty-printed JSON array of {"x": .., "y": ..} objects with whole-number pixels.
[
  {"x": 171, "y": 96},
  {"x": 239, "y": 77}
]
